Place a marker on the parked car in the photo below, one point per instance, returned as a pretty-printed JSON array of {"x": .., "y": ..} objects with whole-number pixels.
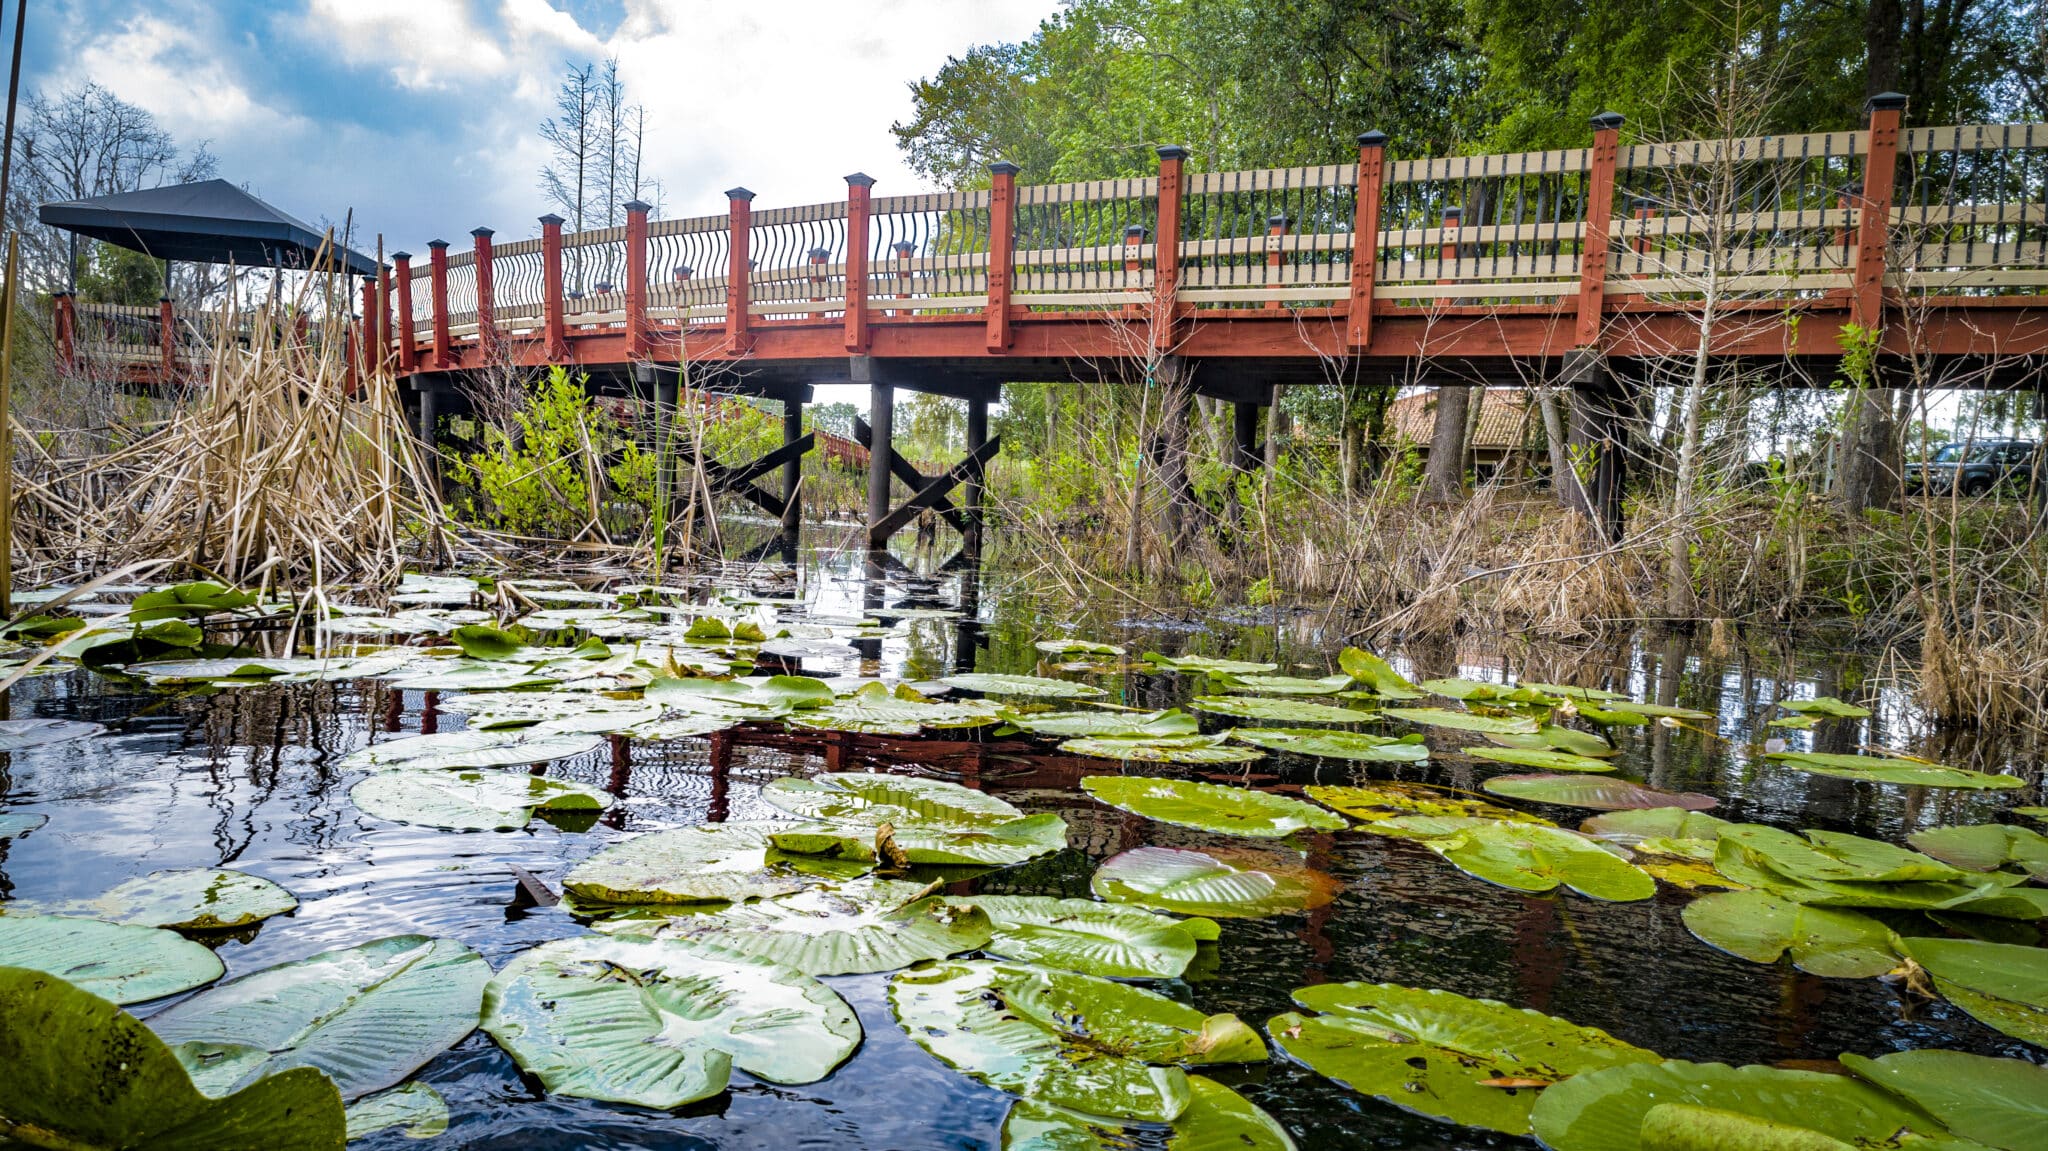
[{"x": 1975, "y": 467}]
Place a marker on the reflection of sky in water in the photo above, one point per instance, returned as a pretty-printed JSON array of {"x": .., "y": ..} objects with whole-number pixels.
[{"x": 246, "y": 778}]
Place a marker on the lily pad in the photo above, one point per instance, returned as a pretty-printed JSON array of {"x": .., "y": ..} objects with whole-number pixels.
[
  {"x": 1112, "y": 940},
  {"x": 661, "y": 1023},
  {"x": 1597, "y": 792},
  {"x": 365, "y": 1016},
  {"x": 1551, "y": 737},
  {"x": 1208, "y": 665},
  {"x": 1835, "y": 857},
  {"x": 1546, "y": 760},
  {"x": 1287, "y": 684},
  {"x": 872, "y": 799},
  {"x": 84, "y": 1075},
  {"x": 1210, "y": 806},
  {"x": 708, "y": 864},
  {"x": 479, "y": 800},
  {"x": 121, "y": 962},
  {"x": 1984, "y": 895},
  {"x": 1605, "y": 1110},
  {"x": 1907, "y": 772},
  {"x": 2003, "y": 985},
  {"x": 416, "y": 1107},
  {"x": 1987, "y": 847},
  {"x": 202, "y": 899},
  {"x": 1163, "y": 749},
  {"x": 20, "y": 734},
  {"x": 465, "y": 675},
  {"x": 1124, "y": 724},
  {"x": 1475, "y": 1062},
  {"x": 1652, "y": 710},
  {"x": 1630, "y": 827},
  {"x": 471, "y": 749},
  {"x": 1376, "y": 675},
  {"x": 2001, "y": 1103},
  {"x": 1530, "y": 857},
  {"x": 1327, "y": 743},
  {"x": 1077, "y": 647},
  {"x": 1216, "y": 882},
  {"x": 1384, "y": 800},
  {"x": 1069, "y": 1040},
  {"x": 876, "y": 710},
  {"x": 1277, "y": 710},
  {"x": 1466, "y": 721},
  {"x": 999, "y": 845},
  {"x": 1028, "y": 685},
  {"x": 857, "y": 927},
  {"x": 1216, "y": 1118},
  {"x": 1826, "y": 705},
  {"x": 1568, "y": 691},
  {"x": 1761, "y": 927}
]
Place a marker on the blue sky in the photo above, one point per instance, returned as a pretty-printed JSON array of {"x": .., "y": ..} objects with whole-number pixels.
[{"x": 421, "y": 115}]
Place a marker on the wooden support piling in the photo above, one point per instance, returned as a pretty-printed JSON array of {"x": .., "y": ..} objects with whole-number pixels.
[
  {"x": 881, "y": 449},
  {"x": 792, "y": 468}
]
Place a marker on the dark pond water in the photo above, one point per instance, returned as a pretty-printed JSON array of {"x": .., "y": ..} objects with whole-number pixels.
[{"x": 246, "y": 778}]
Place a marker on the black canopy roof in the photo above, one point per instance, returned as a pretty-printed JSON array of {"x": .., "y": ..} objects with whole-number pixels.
[{"x": 209, "y": 222}]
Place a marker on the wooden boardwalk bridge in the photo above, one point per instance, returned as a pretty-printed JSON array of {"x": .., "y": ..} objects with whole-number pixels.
[{"x": 1589, "y": 267}]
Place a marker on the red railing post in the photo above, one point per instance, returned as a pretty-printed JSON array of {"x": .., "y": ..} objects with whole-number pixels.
[
  {"x": 1593, "y": 254},
  {"x": 438, "y": 253},
  {"x": 1365, "y": 237},
  {"x": 1002, "y": 251},
  {"x": 64, "y": 319},
  {"x": 384, "y": 326},
  {"x": 167, "y": 339},
  {"x": 1276, "y": 232},
  {"x": 408, "y": 346},
  {"x": 1134, "y": 238},
  {"x": 486, "y": 295},
  {"x": 1447, "y": 254},
  {"x": 859, "y": 192},
  {"x": 738, "y": 290},
  {"x": 1166, "y": 247},
  {"x": 637, "y": 343},
  {"x": 1873, "y": 222},
  {"x": 905, "y": 252},
  {"x": 554, "y": 325}
]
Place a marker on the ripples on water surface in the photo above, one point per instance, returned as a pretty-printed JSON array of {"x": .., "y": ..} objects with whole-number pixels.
[{"x": 244, "y": 778}]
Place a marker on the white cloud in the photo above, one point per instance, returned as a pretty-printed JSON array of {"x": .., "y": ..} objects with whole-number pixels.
[{"x": 169, "y": 69}]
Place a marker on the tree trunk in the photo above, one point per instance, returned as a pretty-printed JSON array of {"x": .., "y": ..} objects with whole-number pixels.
[
  {"x": 1564, "y": 481},
  {"x": 1678, "y": 601},
  {"x": 1868, "y": 473},
  {"x": 1443, "y": 480},
  {"x": 1883, "y": 23}
]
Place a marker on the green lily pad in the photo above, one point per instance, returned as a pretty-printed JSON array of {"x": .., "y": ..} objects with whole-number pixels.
[
  {"x": 1028, "y": 685},
  {"x": 1907, "y": 772},
  {"x": 1987, "y": 847},
  {"x": 481, "y": 641},
  {"x": 1466, "y": 721},
  {"x": 1794, "y": 722},
  {"x": 572, "y": 712},
  {"x": 1597, "y": 792},
  {"x": 1077, "y": 647},
  {"x": 201, "y": 899},
  {"x": 1835, "y": 857},
  {"x": 1567, "y": 691},
  {"x": 1652, "y": 710},
  {"x": 1211, "y": 807},
  {"x": 478, "y": 800},
  {"x": 1277, "y": 710},
  {"x": 662, "y": 1022},
  {"x": 708, "y": 864},
  {"x": 1376, "y": 675},
  {"x": 1530, "y": 857},
  {"x": 189, "y": 601},
  {"x": 1826, "y": 705},
  {"x": 1984, "y": 895},
  {"x": 999, "y": 845},
  {"x": 876, "y": 710},
  {"x": 1111, "y": 940},
  {"x": 1208, "y": 665},
  {"x": 471, "y": 749},
  {"x": 465, "y": 675},
  {"x": 21, "y": 734},
  {"x": 2001, "y": 1103},
  {"x": 1631, "y": 827},
  {"x": 1605, "y": 1110},
  {"x": 773, "y": 697},
  {"x": 2038, "y": 814},
  {"x": 1216, "y": 1118},
  {"x": 365, "y": 1016},
  {"x": 1216, "y": 882},
  {"x": 1069, "y": 1040},
  {"x": 1761, "y": 927},
  {"x": 122, "y": 962},
  {"x": 1385, "y": 800},
  {"x": 1551, "y": 737},
  {"x": 84, "y": 1075},
  {"x": 1441, "y": 1054},
  {"x": 857, "y": 927},
  {"x": 1327, "y": 743},
  {"x": 1546, "y": 760},
  {"x": 416, "y": 1107},
  {"x": 1163, "y": 749},
  {"x": 1287, "y": 685},
  {"x": 903, "y": 801},
  {"x": 1123, "y": 724},
  {"x": 2003, "y": 985}
]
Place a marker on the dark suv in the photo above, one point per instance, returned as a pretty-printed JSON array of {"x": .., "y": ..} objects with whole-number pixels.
[{"x": 1974, "y": 468}]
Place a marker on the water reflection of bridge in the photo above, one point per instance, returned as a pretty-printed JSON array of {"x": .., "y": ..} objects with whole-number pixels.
[{"x": 1587, "y": 267}]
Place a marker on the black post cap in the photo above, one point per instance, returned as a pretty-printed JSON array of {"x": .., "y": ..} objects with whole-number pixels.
[
  {"x": 1607, "y": 120},
  {"x": 1373, "y": 139},
  {"x": 1885, "y": 101},
  {"x": 637, "y": 205},
  {"x": 482, "y": 233},
  {"x": 603, "y": 287},
  {"x": 1277, "y": 220},
  {"x": 904, "y": 247},
  {"x": 1641, "y": 202},
  {"x": 401, "y": 255},
  {"x": 739, "y": 194},
  {"x": 684, "y": 271},
  {"x": 1003, "y": 168},
  {"x": 552, "y": 220},
  {"x": 860, "y": 180},
  {"x": 437, "y": 245},
  {"x": 1453, "y": 212},
  {"x": 820, "y": 255}
]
